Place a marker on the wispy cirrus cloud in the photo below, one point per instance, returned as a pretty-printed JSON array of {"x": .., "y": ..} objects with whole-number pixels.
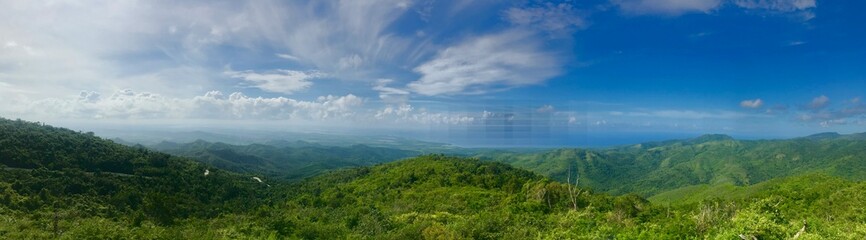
[
  {"x": 388, "y": 93},
  {"x": 487, "y": 63},
  {"x": 666, "y": 7},
  {"x": 278, "y": 81},
  {"x": 777, "y": 5},
  {"x": 679, "y": 7},
  {"x": 558, "y": 19}
]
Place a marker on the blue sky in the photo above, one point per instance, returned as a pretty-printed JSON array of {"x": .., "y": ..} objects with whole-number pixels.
[{"x": 469, "y": 72}]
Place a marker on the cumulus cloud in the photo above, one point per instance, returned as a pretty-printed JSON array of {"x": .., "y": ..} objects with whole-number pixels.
[
  {"x": 503, "y": 60},
  {"x": 819, "y": 102},
  {"x": 405, "y": 113},
  {"x": 688, "y": 114},
  {"x": 829, "y": 123},
  {"x": 756, "y": 103},
  {"x": 278, "y": 81},
  {"x": 666, "y": 7},
  {"x": 128, "y": 104},
  {"x": 557, "y": 19},
  {"x": 819, "y": 111},
  {"x": 401, "y": 111},
  {"x": 425, "y": 117}
]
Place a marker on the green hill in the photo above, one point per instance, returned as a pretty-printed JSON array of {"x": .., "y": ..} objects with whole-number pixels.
[
  {"x": 288, "y": 162},
  {"x": 58, "y": 183},
  {"x": 438, "y": 197},
  {"x": 54, "y": 180},
  {"x": 652, "y": 168}
]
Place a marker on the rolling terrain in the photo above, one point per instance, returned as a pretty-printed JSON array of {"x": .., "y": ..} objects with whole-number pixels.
[
  {"x": 287, "y": 162},
  {"x": 58, "y": 183},
  {"x": 652, "y": 168}
]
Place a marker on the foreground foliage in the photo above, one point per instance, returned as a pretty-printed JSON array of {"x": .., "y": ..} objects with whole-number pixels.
[{"x": 95, "y": 189}]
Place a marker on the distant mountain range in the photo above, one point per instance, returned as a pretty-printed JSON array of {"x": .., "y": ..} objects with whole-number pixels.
[
  {"x": 656, "y": 167},
  {"x": 275, "y": 138},
  {"x": 288, "y": 160}
]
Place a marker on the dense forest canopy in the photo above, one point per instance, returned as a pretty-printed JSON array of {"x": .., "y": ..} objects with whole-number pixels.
[
  {"x": 61, "y": 183},
  {"x": 652, "y": 168}
]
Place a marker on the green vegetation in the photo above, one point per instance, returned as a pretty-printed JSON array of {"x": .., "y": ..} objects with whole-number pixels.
[
  {"x": 287, "y": 162},
  {"x": 708, "y": 161},
  {"x": 57, "y": 183},
  {"x": 54, "y": 181}
]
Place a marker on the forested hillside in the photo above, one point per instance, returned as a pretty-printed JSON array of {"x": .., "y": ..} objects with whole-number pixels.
[
  {"x": 58, "y": 183},
  {"x": 651, "y": 168},
  {"x": 55, "y": 180}
]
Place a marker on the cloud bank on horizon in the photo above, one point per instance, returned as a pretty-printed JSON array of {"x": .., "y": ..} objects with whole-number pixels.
[{"x": 765, "y": 66}]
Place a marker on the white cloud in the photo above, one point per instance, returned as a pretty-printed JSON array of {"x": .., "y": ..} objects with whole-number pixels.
[
  {"x": 215, "y": 105},
  {"x": 287, "y": 56},
  {"x": 87, "y": 96},
  {"x": 390, "y": 94},
  {"x": 545, "y": 109},
  {"x": 777, "y": 5},
  {"x": 406, "y": 114},
  {"x": 279, "y": 81},
  {"x": 102, "y": 45},
  {"x": 819, "y": 102},
  {"x": 679, "y": 7},
  {"x": 795, "y": 43},
  {"x": 478, "y": 65},
  {"x": 91, "y": 44},
  {"x": 756, "y": 103},
  {"x": 666, "y": 7},
  {"x": 689, "y": 114},
  {"x": 429, "y": 118},
  {"x": 557, "y": 19},
  {"x": 128, "y": 104},
  {"x": 818, "y": 111},
  {"x": 334, "y": 36},
  {"x": 834, "y": 122},
  {"x": 180, "y": 49},
  {"x": 401, "y": 111},
  {"x": 351, "y": 62},
  {"x": 800, "y": 9}
]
